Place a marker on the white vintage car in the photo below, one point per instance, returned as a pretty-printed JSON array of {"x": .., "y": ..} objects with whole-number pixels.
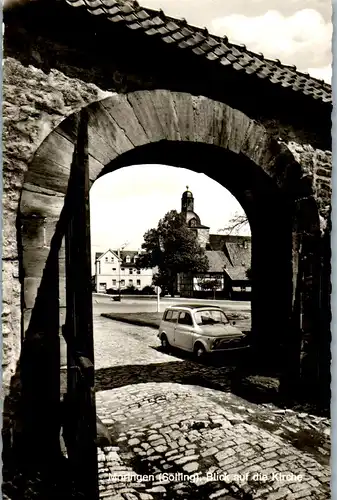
[{"x": 199, "y": 329}]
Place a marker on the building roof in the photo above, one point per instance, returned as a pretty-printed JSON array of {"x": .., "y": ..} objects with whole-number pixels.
[
  {"x": 99, "y": 255},
  {"x": 199, "y": 41},
  {"x": 238, "y": 254},
  {"x": 237, "y": 273},
  {"x": 123, "y": 253},
  {"x": 219, "y": 263},
  {"x": 218, "y": 241}
]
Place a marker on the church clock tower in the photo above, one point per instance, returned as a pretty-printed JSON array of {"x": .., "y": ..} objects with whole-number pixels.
[
  {"x": 187, "y": 201},
  {"x": 193, "y": 219}
]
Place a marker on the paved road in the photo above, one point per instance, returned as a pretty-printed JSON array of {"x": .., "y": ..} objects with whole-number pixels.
[
  {"x": 107, "y": 304},
  {"x": 171, "y": 418}
]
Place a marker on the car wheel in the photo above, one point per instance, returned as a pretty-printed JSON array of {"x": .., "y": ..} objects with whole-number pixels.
[
  {"x": 164, "y": 342},
  {"x": 199, "y": 351}
]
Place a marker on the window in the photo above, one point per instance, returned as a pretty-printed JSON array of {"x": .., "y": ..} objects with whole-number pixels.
[
  {"x": 128, "y": 260},
  {"x": 122, "y": 269},
  {"x": 171, "y": 316},
  {"x": 138, "y": 271},
  {"x": 112, "y": 260},
  {"x": 138, "y": 282},
  {"x": 168, "y": 316},
  {"x": 130, "y": 282},
  {"x": 114, "y": 269},
  {"x": 210, "y": 317},
  {"x": 106, "y": 259},
  {"x": 122, "y": 282},
  {"x": 130, "y": 271},
  {"x": 185, "y": 319},
  {"x": 102, "y": 287},
  {"x": 114, "y": 282}
]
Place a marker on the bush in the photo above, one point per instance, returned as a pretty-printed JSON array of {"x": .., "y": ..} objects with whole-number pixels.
[
  {"x": 130, "y": 290},
  {"x": 111, "y": 291},
  {"x": 148, "y": 290}
]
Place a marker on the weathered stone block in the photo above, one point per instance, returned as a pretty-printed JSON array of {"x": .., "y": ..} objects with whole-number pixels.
[
  {"x": 185, "y": 112},
  {"x": 164, "y": 105},
  {"x": 41, "y": 205},
  {"x": 102, "y": 124},
  {"x": 121, "y": 111},
  {"x": 33, "y": 233},
  {"x": 205, "y": 122},
  {"x": 34, "y": 261},
  {"x": 146, "y": 114}
]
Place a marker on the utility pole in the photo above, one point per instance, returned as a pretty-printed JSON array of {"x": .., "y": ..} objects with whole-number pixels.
[{"x": 119, "y": 268}]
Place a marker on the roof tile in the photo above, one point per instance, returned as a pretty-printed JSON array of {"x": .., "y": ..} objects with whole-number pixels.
[
  {"x": 109, "y": 3},
  {"x": 112, "y": 11},
  {"x": 212, "y": 57},
  {"x": 94, "y": 4}
]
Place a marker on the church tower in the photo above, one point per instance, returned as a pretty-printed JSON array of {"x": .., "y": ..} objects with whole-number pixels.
[
  {"x": 193, "y": 219},
  {"x": 187, "y": 201}
]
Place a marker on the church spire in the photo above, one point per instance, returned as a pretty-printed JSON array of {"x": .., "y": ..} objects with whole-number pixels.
[{"x": 187, "y": 201}]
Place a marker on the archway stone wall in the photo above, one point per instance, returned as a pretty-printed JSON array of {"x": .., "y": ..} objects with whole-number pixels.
[{"x": 35, "y": 104}]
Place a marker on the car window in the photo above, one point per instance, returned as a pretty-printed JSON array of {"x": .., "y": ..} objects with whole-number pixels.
[
  {"x": 168, "y": 316},
  {"x": 210, "y": 317},
  {"x": 171, "y": 316},
  {"x": 185, "y": 318}
]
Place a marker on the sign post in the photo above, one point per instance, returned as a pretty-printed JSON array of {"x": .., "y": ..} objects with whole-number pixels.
[{"x": 158, "y": 291}]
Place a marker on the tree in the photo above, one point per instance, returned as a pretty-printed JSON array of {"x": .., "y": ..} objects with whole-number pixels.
[
  {"x": 174, "y": 249},
  {"x": 249, "y": 273},
  {"x": 236, "y": 223},
  {"x": 210, "y": 284}
]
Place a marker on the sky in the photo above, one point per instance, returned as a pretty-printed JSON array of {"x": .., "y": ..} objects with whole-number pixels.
[{"x": 295, "y": 31}]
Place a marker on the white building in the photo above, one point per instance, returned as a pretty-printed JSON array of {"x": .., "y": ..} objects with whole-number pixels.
[{"x": 113, "y": 267}]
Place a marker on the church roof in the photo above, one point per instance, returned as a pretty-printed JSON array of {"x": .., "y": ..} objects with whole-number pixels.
[
  {"x": 187, "y": 193},
  {"x": 219, "y": 263},
  {"x": 218, "y": 241},
  {"x": 200, "y": 42}
]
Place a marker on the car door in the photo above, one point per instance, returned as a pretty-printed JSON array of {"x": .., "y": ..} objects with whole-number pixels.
[
  {"x": 184, "y": 330},
  {"x": 170, "y": 322}
]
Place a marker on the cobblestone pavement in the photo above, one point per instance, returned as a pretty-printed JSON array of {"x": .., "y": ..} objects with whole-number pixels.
[{"x": 173, "y": 438}]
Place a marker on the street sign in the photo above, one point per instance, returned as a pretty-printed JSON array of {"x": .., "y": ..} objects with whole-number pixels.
[{"x": 157, "y": 289}]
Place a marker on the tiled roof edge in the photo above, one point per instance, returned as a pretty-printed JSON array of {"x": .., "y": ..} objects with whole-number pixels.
[{"x": 202, "y": 43}]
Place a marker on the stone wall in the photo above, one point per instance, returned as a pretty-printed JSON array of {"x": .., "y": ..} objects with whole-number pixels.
[
  {"x": 203, "y": 235},
  {"x": 34, "y": 103},
  {"x": 317, "y": 166}
]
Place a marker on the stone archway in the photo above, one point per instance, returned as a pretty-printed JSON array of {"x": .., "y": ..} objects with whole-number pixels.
[
  {"x": 181, "y": 130},
  {"x": 124, "y": 126}
]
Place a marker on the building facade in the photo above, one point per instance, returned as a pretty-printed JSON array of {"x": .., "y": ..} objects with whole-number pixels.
[{"x": 117, "y": 269}]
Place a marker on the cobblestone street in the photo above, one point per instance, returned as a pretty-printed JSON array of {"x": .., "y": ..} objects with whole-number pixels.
[{"x": 177, "y": 431}]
